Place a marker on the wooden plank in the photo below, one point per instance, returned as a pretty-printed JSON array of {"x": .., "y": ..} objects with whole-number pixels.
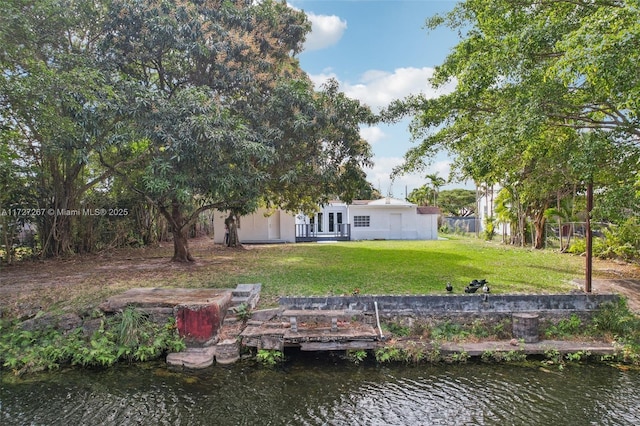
[
  {"x": 337, "y": 346},
  {"x": 326, "y": 335},
  {"x": 272, "y": 342},
  {"x": 322, "y": 313}
]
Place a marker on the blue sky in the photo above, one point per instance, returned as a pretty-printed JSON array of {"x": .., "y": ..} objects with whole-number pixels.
[{"x": 379, "y": 50}]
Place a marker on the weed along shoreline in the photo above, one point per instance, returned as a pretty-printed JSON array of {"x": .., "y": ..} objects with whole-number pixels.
[{"x": 199, "y": 328}]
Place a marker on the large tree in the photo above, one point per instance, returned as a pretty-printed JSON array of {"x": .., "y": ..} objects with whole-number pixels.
[
  {"x": 194, "y": 104},
  {"x": 223, "y": 117},
  {"x": 531, "y": 75},
  {"x": 52, "y": 96}
]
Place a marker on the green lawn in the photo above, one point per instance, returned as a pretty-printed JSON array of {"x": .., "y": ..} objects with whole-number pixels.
[
  {"x": 374, "y": 267},
  {"x": 406, "y": 267}
]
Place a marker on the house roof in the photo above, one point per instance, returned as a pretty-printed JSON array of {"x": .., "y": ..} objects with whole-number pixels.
[
  {"x": 428, "y": 210},
  {"x": 389, "y": 202}
]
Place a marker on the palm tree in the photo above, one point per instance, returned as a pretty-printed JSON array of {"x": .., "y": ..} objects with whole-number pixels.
[{"x": 436, "y": 183}]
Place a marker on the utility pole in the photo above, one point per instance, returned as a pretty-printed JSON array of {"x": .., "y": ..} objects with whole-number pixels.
[{"x": 589, "y": 262}]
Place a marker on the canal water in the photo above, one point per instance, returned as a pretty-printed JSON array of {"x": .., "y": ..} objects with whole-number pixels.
[{"x": 325, "y": 390}]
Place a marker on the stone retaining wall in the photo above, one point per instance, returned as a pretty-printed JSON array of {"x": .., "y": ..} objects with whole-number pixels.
[{"x": 454, "y": 305}]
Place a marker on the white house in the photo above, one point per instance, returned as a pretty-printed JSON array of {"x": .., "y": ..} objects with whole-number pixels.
[
  {"x": 383, "y": 219},
  {"x": 392, "y": 219},
  {"x": 486, "y": 208},
  {"x": 262, "y": 226}
]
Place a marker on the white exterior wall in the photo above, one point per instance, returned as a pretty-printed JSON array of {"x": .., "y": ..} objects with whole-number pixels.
[
  {"x": 427, "y": 226},
  {"x": 486, "y": 207},
  {"x": 394, "y": 221},
  {"x": 278, "y": 226}
]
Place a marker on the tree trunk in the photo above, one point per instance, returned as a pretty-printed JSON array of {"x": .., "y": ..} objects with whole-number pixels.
[
  {"x": 179, "y": 227},
  {"x": 181, "y": 246},
  {"x": 539, "y": 237},
  {"x": 231, "y": 231},
  {"x": 539, "y": 222},
  {"x": 179, "y": 230}
]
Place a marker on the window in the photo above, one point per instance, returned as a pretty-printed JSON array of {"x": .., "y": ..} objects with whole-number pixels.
[
  {"x": 319, "y": 222},
  {"x": 361, "y": 221},
  {"x": 331, "y": 222}
]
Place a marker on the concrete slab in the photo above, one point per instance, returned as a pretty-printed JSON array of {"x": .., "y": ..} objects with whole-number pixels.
[
  {"x": 194, "y": 358},
  {"x": 324, "y": 334},
  {"x": 163, "y": 297},
  {"x": 246, "y": 289},
  {"x": 227, "y": 352},
  {"x": 265, "y": 314},
  {"x": 538, "y": 348}
]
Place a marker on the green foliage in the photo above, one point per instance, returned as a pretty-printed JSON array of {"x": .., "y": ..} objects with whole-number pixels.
[
  {"x": 541, "y": 114},
  {"x": 554, "y": 357},
  {"x": 457, "y": 202},
  {"x": 243, "y": 311},
  {"x": 388, "y": 353},
  {"x": 616, "y": 319},
  {"x": 170, "y": 109},
  {"x": 356, "y": 356},
  {"x": 565, "y": 327},
  {"x": 619, "y": 242},
  {"x": 579, "y": 246},
  {"x": 396, "y": 329},
  {"x": 458, "y": 357},
  {"x": 129, "y": 336},
  {"x": 489, "y": 230},
  {"x": 269, "y": 357},
  {"x": 479, "y": 329},
  {"x": 422, "y": 196},
  {"x": 623, "y": 241},
  {"x": 502, "y": 330},
  {"x": 502, "y": 356},
  {"x": 514, "y": 356},
  {"x": 449, "y": 331}
]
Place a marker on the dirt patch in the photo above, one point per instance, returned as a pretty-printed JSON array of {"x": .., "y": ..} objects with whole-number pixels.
[{"x": 86, "y": 280}]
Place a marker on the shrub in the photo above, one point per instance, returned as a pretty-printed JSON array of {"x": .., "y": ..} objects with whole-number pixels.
[
  {"x": 565, "y": 327},
  {"x": 270, "y": 357},
  {"x": 129, "y": 336}
]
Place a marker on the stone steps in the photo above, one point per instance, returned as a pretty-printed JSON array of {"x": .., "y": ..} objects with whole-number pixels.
[
  {"x": 247, "y": 294},
  {"x": 226, "y": 351}
]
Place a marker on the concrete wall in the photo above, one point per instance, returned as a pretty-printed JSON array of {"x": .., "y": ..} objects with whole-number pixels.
[
  {"x": 427, "y": 226},
  {"x": 430, "y": 305}
]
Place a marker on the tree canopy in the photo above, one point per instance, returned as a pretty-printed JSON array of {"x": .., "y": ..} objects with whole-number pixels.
[
  {"x": 532, "y": 78},
  {"x": 190, "y": 105}
]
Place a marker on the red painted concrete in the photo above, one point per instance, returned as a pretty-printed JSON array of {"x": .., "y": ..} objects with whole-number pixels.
[{"x": 199, "y": 323}]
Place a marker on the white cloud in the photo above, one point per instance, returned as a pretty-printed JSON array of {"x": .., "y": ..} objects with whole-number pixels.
[
  {"x": 326, "y": 30},
  {"x": 319, "y": 79},
  {"x": 378, "y": 88},
  {"x": 372, "y": 134}
]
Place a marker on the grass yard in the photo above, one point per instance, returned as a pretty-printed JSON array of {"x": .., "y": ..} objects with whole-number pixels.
[
  {"x": 373, "y": 267},
  {"x": 408, "y": 267}
]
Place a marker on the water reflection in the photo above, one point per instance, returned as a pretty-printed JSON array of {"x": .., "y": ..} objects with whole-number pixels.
[{"x": 326, "y": 391}]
